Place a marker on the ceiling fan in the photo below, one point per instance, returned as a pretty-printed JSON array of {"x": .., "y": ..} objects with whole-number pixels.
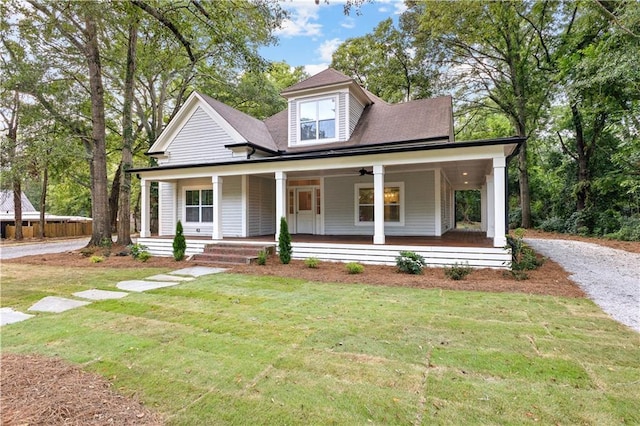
[{"x": 364, "y": 171}]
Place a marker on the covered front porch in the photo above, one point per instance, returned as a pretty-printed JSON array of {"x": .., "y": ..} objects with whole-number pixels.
[{"x": 471, "y": 248}]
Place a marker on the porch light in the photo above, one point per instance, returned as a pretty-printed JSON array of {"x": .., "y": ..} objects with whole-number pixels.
[
  {"x": 466, "y": 183},
  {"x": 464, "y": 173}
]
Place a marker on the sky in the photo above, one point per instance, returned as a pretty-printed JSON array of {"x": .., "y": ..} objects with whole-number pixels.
[{"x": 314, "y": 31}]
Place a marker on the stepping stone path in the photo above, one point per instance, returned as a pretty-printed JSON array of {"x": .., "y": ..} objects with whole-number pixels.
[{"x": 61, "y": 304}]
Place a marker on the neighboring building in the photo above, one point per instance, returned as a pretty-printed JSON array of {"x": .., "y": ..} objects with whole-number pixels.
[
  {"x": 339, "y": 162},
  {"x": 31, "y": 218}
]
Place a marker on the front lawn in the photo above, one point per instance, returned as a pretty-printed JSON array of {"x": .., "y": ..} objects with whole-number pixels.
[{"x": 233, "y": 349}]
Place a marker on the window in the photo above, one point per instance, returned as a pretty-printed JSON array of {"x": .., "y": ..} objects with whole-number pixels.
[
  {"x": 318, "y": 120},
  {"x": 198, "y": 205},
  {"x": 393, "y": 204}
]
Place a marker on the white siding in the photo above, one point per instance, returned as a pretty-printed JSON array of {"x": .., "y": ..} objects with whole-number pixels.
[
  {"x": 166, "y": 210},
  {"x": 419, "y": 205},
  {"x": 293, "y": 124},
  {"x": 355, "y": 111},
  {"x": 201, "y": 140},
  {"x": 343, "y": 134},
  {"x": 231, "y": 207},
  {"x": 261, "y": 206}
]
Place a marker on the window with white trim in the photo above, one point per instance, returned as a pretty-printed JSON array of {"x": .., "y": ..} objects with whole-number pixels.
[
  {"x": 393, "y": 203},
  {"x": 318, "y": 120},
  {"x": 198, "y": 205}
]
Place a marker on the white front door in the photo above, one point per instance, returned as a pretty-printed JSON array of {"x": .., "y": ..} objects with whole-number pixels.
[{"x": 305, "y": 211}]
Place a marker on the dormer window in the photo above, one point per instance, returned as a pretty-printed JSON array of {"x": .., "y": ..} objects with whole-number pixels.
[{"x": 318, "y": 120}]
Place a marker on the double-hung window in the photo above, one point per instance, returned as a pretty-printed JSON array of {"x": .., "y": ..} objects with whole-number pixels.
[
  {"x": 199, "y": 205},
  {"x": 318, "y": 120},
  {"x": 393, "y": 204}
]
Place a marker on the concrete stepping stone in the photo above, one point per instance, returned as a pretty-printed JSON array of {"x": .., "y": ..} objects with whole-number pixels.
[
  {"x": 140, "y": 285},
  {"x": 9, "y": 316},
  {"x": 198, "y": 271},
  {"x": 167, "y": 277},
  {"x": 95, "y": 294},
  {"x": 56, "y": 304}
]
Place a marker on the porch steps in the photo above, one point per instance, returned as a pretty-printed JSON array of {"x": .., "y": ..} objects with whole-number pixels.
[{"x": 232, "y": 253}]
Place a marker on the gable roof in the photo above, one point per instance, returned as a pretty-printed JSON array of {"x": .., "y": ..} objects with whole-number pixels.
[
  {"x": 327, "y": 77},
  {"x": 7, "y": 206}
]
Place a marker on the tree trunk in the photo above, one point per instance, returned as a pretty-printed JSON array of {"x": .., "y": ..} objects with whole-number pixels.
[
  {"x": 99, "y": 196},
  {"x": 124, "y": 212},
  {"x": 17, "y": 206},
  {"x": 582, "y": 191},
  {"x": 114, "y": 198},
  {"x": 16, "y": 175}
]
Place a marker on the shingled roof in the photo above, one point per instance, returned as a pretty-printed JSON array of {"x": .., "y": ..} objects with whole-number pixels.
[
  {"x": 327, "y": 77},
  {"x": 7, "y": 206}
]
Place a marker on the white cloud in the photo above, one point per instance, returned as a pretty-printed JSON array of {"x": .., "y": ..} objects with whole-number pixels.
[
  {"x": 383, "y": 9},
  {"x": 314, "y": 69},
  {"x": 302, "y": 21},
  {"x": 348, "y": 23},
  {"x": 400, "y": 8},
  {"x": 327, "y": 48}
]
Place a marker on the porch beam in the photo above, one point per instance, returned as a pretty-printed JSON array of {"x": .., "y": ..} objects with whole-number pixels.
[
  {"x": 216, "y": 182},
  {"x": 378, "y": 204},
  {"x": 145, "y": 208},
  {"x": 499, "y": 186},
  {"x": 281, "y": 199}
]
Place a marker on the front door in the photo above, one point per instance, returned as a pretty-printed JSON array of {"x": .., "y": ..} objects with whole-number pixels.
[{"x": 305, "y": 211}]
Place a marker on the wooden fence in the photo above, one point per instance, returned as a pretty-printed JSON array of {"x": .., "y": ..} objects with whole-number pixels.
[{"x": 56, "y": 229}]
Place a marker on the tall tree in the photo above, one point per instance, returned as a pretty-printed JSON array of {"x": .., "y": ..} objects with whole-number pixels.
[{"x": 491, "y": 50}]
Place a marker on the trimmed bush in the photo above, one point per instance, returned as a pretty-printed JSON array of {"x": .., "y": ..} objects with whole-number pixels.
[
  {"x": 457, "y": 271},
  {"x": 179, "y": 243},
  {"x": 138, "y": 250},
  {"x": 354, "y": 268},
  {"x": 312, "y": 262},
  {"x": 410, "y": 263},
  {"x": 284, "y": 242},
  {"x": 262, "y": 257},
  {"x": 96, "y": 259}
]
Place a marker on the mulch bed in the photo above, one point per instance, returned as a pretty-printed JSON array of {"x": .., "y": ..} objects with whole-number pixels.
[{"x": 46, "y": 391}]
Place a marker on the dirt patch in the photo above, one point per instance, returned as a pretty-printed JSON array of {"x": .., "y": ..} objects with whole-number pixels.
[{"x": 40, "y": 390}]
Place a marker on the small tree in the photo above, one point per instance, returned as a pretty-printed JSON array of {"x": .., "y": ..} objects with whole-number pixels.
[
  {"x": 284, "y": 242},
  {"x": 179, "y": 243}
]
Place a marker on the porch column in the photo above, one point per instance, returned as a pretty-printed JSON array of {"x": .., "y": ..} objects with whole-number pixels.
[
  {"x": 483, "y": 208},
  {"x": 499, "y": 186},
  {"x": 217, "y": 207},
  {"x": 491, "y": 229},
  {"x": 438, "y": 201},
  {"x": 378, "y": 204},
  {"x": 145, "y": 208},
  {"x": 281, "y": 199}
]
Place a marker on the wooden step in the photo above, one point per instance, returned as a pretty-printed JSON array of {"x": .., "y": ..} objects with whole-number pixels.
[{"x": 231, "y": 253}]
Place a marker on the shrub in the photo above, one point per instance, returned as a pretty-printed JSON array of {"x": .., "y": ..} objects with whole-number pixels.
[
  {"x": 138, "y": 251},
  {"x": 523, "y": 258},
  {"x": 354, "y": 268},
  {"x": 179, "y": 243},
  {"x": 262, "y": 257},
  {"x": 629, "y": 230},
  {"x": 312, "y": 262},
  {"x": 553, "y": 224},
  {"x": 410, "y": 262},
  {"x": 457, "y": 271},
  {"x": 144, "y": 256},
  {"x": 96, "y": 259},
  {"x": 284, "y": 242}
]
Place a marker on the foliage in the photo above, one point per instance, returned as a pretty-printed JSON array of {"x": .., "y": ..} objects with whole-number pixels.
[
  {"x": 523, "y": 258},
  {"x": 553, "y": 224},
  {"x": 629, "y": 230},
  {"x": 312, "y": 262},
  {"x": 179, "y": 243},
  {"x": 139, "y": 252},
  {"x": 284, "y": 242},
  {"x": 467, "y": 206},
  {"x": 410, "y": 262},
  {"x": 262, "y": 257},
  {"x": 354, "y": 268},
  {"x": 457, "y": 271},
  {"x": 96, "y": 259}
]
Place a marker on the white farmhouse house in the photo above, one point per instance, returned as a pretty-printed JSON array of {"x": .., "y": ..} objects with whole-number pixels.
[{"x": 355, "y": 177}]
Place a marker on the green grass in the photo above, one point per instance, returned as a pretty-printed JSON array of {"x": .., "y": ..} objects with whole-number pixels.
[{"x": 228, "y": 349}]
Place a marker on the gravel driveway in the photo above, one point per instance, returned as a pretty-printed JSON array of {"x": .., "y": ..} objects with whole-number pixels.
[{"x": 610, "y": 277}]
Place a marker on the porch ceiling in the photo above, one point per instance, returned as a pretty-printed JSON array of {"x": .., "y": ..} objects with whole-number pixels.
[{"x": 462, "y": 175}]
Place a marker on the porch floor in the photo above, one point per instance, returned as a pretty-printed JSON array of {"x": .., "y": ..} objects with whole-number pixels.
[{"x": 453, "y": 238}]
